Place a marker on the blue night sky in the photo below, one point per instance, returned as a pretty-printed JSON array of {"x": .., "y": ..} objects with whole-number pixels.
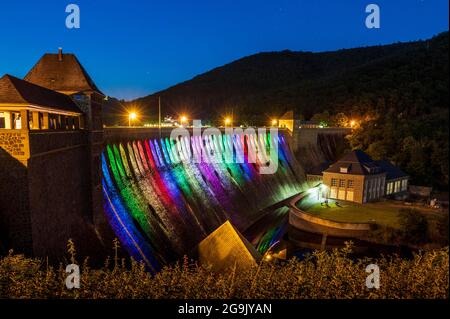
[{"x": 133, "y": 48}]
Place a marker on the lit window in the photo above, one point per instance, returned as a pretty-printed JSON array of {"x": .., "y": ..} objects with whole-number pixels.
[
  {"x": 3, "y": 120},
  {"x": 333, "y": 182},
  {"x": 31, "y": 125},
  {"x": 16, "y": 121},
  {"x": 404, "y": 184},
  {"x": 342, "y": 183},
  {"x": 350, "y": 183},
  {"x": 397, "y": 187},
  {"x": 41, "y": 120}
]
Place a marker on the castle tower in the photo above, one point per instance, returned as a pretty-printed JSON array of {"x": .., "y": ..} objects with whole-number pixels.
[
  {"x": 62, "y": 72},
  {"x": 51, "y": 141},
  {"x": 33, "y": 121}
]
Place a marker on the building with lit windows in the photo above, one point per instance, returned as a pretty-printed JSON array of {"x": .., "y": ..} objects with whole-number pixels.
[
  {"x": 396, "y": 179},
  {"x": 356, "y": 177},
  {"x": 26, "y": 107},
  {"x": 287, "y": 121},
  {"x": 51, "y": 141}
]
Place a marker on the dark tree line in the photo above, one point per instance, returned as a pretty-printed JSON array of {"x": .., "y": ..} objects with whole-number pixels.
[{"x": 399, "y": 93}]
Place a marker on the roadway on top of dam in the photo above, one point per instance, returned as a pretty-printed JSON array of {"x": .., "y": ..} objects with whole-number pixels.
[{"x": 125, "y": 133}]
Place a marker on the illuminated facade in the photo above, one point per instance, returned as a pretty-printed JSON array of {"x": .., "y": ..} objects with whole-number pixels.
[
  {"x": 287, "y": 121},
  {"x": 26, "y": 107},
  {"x": 51, "y": 139},
  {"x": 358, "y": 178}
]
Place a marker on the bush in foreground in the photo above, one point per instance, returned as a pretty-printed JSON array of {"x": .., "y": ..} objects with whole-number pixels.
[{"x": 321, "y": 275}]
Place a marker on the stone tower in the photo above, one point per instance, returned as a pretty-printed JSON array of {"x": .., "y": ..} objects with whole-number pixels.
[
  {"x": 63, "y": 73},
  {"x": 51, "y": 141}
]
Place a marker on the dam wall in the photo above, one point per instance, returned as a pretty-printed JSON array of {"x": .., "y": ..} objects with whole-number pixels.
[
  {"x": 316, "y": 148},
  {"x": 134, "y": 184},
  {"x": 161, "y": 205}
]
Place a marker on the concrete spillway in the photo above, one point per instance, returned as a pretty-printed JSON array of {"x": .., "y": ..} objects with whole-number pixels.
[{"x": 160, "y": 205}]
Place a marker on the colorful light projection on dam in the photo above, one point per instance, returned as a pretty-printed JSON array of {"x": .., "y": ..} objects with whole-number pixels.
[{"x": 161, "y": 205}]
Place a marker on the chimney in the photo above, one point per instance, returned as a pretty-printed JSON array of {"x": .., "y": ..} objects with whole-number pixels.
[{"x": 60, "y": 54}]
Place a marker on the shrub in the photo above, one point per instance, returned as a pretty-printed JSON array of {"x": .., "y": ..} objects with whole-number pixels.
[
  {"x": 321, "y": 275},
  {"x": 413, "y": 225}
]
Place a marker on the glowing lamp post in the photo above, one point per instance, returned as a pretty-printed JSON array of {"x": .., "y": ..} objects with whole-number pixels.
[
  {"x": 274, "y": 122},
  {"x": 227, "y": 121},
  {"x": 131, "y": 117},
  {"x": 183, "y": 119},
  {"x": 352, "y": 123}
]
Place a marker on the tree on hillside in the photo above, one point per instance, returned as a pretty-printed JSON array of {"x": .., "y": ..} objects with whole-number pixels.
[{"x": 414, "y": 226}]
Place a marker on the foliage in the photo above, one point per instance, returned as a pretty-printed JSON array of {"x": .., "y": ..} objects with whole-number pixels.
[
  {"x": 406, "y": 116},
  {"x": 398, "y": 93},
  {"x": 322, "y": 118},
  {"x": 326, "y": 119},
  {"x": 321, "y": 275},
  {"x": 261, "y": 86},
  {"x": 340, "y": 120},
  {"x": 418, "y": 145},
  {"x": 414, "y": 226}
]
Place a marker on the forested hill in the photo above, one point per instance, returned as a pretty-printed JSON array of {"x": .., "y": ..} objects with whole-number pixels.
[
  {"x": 398, "y": 92},
  {"x": 264, "y": 85}
]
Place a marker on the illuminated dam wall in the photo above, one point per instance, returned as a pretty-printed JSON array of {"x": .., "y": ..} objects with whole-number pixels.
[
  {"x": 316, "y": 148},
  {"x": 161, "y": 205}
]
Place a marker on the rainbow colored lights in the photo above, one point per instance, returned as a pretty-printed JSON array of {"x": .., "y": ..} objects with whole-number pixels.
[{"x": 160, "y": 205}]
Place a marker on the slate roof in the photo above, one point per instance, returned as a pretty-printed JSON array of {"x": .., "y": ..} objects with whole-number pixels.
[
  {"x": 17, "y": 91},
  {"x": 61, "y": 72},
  {"x": 392, "y": 172},
  {"x": 357, "y": 163}
]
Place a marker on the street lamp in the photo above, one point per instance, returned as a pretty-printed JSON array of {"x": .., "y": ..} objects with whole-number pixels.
[
  {"x": 352, "y": 123},
  {"x": 183, "y": 119},
  {"x": 274, "y": 122},
  {"x": 227, "y": 121},
  {"x": 132, "y": 116}
]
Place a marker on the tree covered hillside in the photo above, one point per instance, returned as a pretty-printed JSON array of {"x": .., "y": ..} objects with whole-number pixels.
[{"x": 399, "y": 94}]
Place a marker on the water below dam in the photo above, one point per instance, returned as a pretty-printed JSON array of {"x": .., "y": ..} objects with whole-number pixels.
[{"x": 272, "y": 234}]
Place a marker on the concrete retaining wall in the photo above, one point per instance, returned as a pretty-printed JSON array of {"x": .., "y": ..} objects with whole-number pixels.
[{"x": 307, "y": 222}]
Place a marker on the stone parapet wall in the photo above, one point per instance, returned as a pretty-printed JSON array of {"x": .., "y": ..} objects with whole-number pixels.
[
  {"x": 15, "y": 143},
  {"x": 42, "y": 142}
]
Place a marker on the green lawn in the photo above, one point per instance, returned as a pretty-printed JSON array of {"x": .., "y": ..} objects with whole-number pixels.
[{"x": 380, "y": 213}]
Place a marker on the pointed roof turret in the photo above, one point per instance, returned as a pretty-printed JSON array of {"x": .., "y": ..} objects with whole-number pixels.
[{"x": 61, "y": 72}]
